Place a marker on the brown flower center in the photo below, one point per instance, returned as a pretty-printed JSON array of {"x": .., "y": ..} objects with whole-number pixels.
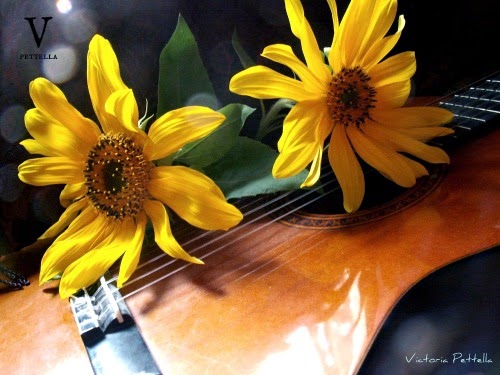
[
  {"x": 350, "y": 97},
  {"x": 116, "y": 176}
]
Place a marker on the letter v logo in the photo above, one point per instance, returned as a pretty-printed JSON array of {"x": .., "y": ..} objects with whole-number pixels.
[{"x": 38, "y": 39}]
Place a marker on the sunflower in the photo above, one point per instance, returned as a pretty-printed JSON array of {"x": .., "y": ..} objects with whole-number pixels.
[
  {"x": 112, "y": 185},
  {"x": 354, "y": 97}
]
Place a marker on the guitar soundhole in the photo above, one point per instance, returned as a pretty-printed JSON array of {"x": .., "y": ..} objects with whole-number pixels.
[{"x": 383, "y": 198}]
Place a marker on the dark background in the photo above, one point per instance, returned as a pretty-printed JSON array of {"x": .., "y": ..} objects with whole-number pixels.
[
  {"x": 455, "y": 41},
  {"x": 453, "y": 310}
]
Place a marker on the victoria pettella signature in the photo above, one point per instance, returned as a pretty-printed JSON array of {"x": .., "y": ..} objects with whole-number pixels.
[{"x": 289, "y": 287}]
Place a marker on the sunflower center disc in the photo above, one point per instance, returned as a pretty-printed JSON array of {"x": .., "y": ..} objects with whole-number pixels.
[
  {"x": 116, "y": 176},
  {"x": 350, "y": 97}
]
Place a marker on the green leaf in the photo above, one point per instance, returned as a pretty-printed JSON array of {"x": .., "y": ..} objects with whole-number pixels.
[
  {"x": 183, "y": 79},
  {"x": 208, "y": 150},
  {"x": 245, "y": 59},
  {"x": 246, "y": 170}
]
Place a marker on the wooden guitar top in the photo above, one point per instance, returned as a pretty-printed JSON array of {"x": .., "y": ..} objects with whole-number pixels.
[{"x": 278, "y": 298}]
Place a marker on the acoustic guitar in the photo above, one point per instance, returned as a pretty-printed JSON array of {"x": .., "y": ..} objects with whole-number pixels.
[{"x": 294, "y": 289}]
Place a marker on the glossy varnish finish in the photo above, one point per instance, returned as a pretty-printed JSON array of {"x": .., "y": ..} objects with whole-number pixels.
[
  {"x": 281, "y": 299},
  {"x": 297, "y": 301},
  {"x": 38, "y": 333}
]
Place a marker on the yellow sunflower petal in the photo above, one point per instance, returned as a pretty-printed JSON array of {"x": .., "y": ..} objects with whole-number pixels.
[
  {"x": 51, "y": 170},
  {"x": 90, "y": 267},
  {"x": 380, "y": 158},
  {"x": 314, "y": 170},
  {"x": 65, "y": 219},
  {"x": 377, "y": 25},
  {"x": 323, "y": 130},
  {"x": 294, "y": 161},
  {"x": 283, "y": 54},
  {"x": 53, "y": 136},
  {"x": 394, "y": 95},
  {"x": 347, "y": 169},
  {"x": 398, "y": 68},
  {"x": 412, "y": 116},
  {"x": 403, "y": 143},
  {"x": 87, "y": 216},
  {"x": 299, "y": 142},
  {"x": 382, "y": 47},
  {"x": 302, "y": 30},
  {"x": 418, "y": 169},
  {"x": 348, "y": 37},
  {"x": 335, "y": 15},
  {"x": 427, "y": 133},
  {"x": 387, "y": 143},
  {"x": 122, "y": 105},
  {"x": 194, "y": 197},
  {"x": 84, "y": 231},
  {"x": 103, "y": 78},
  {"x": 364, "y": 23},
  {"x": 176, "y": 128},
  {"x": 305, "y": 124},
  {"x": 49, "y": 99},
  {"x": 163, "y": 234},
  {"x": 72, "y": 192},
  {"x": 264, "y": 83},
  {"x": 36, "y": 148},
  {"x": 132, "y": 254}
]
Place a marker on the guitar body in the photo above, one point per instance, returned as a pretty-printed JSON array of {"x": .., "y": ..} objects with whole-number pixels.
[{"x": 274, "y": 297}]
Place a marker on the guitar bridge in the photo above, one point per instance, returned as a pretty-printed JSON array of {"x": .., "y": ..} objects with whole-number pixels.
[
  {"x": 109, "y": 332},
  {"x": 99, "y": 313}
]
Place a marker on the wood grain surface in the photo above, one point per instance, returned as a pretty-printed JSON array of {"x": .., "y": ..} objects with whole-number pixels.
[{"x": 273, "y": 298}]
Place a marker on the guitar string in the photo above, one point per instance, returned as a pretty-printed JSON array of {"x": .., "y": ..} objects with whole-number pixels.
[
  {"x": 185, "y": 265},
  {"x": 297, "y": 254},
  {"x": 253, "y": 202},
  {"x": 199, "y": 236},
  {"x": 298, "y": 251},
  {"x": 230, "y": 232},
  {"x": 221, "y": 247},
  {"x": 239, "y": 228},
  {"x": 221, "y": 237}
]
